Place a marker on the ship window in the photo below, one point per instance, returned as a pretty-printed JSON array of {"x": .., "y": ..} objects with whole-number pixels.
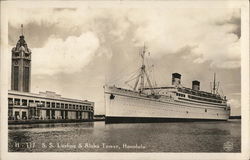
[{"x": 205, "y": 110}]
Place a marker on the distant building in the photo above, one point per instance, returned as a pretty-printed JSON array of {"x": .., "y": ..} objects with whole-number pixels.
[
  {"x": 47, "y": 105},
  {"x": 23, "y": 105}
]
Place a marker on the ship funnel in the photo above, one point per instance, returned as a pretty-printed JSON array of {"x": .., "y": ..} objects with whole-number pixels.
[
  {"x": 176, "y": 79},
  {"x": 196, "y": 85}
]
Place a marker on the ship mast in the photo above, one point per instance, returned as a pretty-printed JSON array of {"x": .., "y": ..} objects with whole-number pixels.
[
  {"x": 143, "y": 74},
  {"x": 214, "y": 88},
  {"x": 142, "y": 68}
]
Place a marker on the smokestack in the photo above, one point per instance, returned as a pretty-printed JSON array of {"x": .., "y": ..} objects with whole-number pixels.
[
  {"x": 176, "y": 79},
  {"x": 196, "y": 85}
]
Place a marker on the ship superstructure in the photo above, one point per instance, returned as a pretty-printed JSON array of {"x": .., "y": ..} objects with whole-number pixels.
[{"x": 158, "y": 104}]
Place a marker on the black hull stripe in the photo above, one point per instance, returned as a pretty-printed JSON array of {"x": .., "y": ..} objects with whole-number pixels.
[{"x": 109, "y": 120}]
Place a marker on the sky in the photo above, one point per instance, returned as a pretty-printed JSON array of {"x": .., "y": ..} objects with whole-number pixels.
[{"x": 76, "y": 51}]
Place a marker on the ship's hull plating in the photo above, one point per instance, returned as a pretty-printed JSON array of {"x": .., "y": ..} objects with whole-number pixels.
[{"x": 126, "y": 106}]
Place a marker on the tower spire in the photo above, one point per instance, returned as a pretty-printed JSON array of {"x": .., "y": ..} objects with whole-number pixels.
[{"x": 21, "y": 29}]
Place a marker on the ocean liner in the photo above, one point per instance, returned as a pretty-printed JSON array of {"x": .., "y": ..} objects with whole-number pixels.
[{"x": 162, "y": 104}]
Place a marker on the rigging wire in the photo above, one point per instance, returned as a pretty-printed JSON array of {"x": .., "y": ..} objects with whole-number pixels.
[
  {"x": 121, "y": 72},
  {"x": 221, "y": 92},
  {"x": 123, "y": 77},
  {"x": 132, "y": 76}
]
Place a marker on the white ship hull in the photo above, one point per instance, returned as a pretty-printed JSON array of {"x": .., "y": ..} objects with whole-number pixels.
[{"x": 128, "y": 106}]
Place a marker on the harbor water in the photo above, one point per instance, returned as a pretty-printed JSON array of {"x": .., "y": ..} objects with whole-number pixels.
[{"x": 217, "y": 136}]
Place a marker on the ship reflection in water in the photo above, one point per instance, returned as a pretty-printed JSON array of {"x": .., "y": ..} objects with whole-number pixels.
[{"x": 221, "y": 136}]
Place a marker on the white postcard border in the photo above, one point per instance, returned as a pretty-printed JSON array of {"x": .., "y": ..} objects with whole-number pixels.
[{"x": 244, "y": 5}]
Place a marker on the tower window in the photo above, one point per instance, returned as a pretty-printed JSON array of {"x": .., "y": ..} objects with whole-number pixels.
[
  {"x": 16, "y": 73},
  {"x": 26, "y": 79}
]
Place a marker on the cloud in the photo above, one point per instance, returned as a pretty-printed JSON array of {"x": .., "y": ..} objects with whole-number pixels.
[
  {"x": 211, "y": 36},
  {"x": 64, "y": 56},
  {"x": 167, "y": 32}
]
